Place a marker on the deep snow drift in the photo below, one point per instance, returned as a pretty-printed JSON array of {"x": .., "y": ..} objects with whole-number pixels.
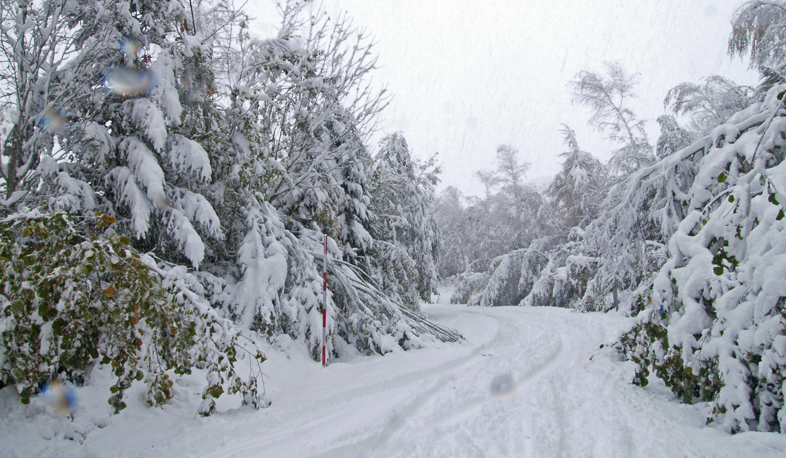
[{"x": 525, "y": 382}]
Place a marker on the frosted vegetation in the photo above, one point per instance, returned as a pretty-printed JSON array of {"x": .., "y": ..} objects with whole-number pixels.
[
  {"x": 686, "y": 235},
  {"x": 168, "y": 181}
]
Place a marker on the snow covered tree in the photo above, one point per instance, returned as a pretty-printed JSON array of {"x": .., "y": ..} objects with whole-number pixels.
[
  {"x": 672, "y": 137},
  {"x": 125, "y": 153},
  {"x": 757, "y": 30},
  {"x": 449, "y": 214},
  {"x": 578, "y": 188},
  {"x": 714, "y": 319},
  {"x": 316, "y": 123},
  {"x": 607, "y": 97},
  {"x": 708, "y": 104},
  {"x": 36, "y": 44},
  {"x": 406, "y": 238},
  {"x": 510, "y": 222}
]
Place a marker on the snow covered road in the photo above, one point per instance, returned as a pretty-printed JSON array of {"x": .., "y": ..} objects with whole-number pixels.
[
  {"x": 564, "y": 404},
  {"x": 571, "y": 399}
]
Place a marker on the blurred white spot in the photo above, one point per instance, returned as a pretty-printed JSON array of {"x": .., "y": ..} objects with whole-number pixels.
[
  {"x": 61, "y": 398},
  {"x": 129, "y": 82},
  {"x": 160, "y": 201},
  {"x": 503, "y": 386},
  {"x": 52, "y": 121},
  {"x": 129, "y": 46}
]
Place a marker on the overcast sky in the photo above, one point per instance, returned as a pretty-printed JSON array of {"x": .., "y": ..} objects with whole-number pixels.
[{"x": 469, "y": 75}]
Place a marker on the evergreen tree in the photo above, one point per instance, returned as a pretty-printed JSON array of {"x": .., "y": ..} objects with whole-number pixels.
[
  {"x": 406, "y": 246},
  {"x": 672, "y": 137},
  {"x": 578, "y": 188}
]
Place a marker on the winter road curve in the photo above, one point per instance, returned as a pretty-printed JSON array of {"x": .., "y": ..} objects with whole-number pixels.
[{"x": 570, "y": 399}]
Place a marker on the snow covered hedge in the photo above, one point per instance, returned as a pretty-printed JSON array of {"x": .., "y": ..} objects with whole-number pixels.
[
  {"x": 714, "y": 321},
  {"x": 72, "y": 298}
]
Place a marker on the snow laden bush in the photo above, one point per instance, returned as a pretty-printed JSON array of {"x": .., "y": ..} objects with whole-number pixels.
[
  {"x": 73, "y": 297},
  {"x": 714, "y": 320}
]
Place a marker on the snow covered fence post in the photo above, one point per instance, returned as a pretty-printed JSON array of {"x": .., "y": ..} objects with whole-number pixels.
[{"x": 324, "y": 306}]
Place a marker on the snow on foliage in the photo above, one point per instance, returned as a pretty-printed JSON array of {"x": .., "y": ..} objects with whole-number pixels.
[
  {"x": 714, "y": 319},
  {"x": 189, "y": 156},
  {"x": 407, "y": 248},
  {"x": 226, "y": 162},
  {"x": 693, "y": 245},
  {"x": 72, "y": 301}
]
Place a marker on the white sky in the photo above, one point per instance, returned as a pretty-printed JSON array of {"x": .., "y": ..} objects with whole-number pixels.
[{"x": 467, "y": 76}]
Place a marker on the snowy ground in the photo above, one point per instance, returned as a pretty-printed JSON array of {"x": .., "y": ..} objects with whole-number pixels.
[{"x": 571, "y": 399}]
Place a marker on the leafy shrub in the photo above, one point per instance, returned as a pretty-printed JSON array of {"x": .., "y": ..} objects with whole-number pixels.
[
  {"x": 72, "y": 297},
  {"x": 714, "y": 326}
]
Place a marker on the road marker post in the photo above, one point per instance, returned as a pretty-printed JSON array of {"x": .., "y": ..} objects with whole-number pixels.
[{"x": 324, "y": 305}]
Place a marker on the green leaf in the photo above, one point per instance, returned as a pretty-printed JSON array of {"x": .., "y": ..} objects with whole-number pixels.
[
  {"x": 722, "y": 177},
  {"x": 731, "y": 198},
  {"x": 43, "y": 311},
  {"x": 718, "y": 270},
  {"x": 780, "y": 215},
  {"x": 58, "y": 325}
]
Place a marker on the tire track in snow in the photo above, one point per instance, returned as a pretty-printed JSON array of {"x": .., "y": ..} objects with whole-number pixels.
[
  {"x": 317, "y": 413},
  {"x": 449, "y": 411}
]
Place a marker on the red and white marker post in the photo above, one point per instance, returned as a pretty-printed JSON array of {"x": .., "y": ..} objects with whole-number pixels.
[{"x": 324, "y": 307}]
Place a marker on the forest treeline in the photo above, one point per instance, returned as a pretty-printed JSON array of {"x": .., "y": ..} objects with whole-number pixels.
[{"x": 687, "y": 234}]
